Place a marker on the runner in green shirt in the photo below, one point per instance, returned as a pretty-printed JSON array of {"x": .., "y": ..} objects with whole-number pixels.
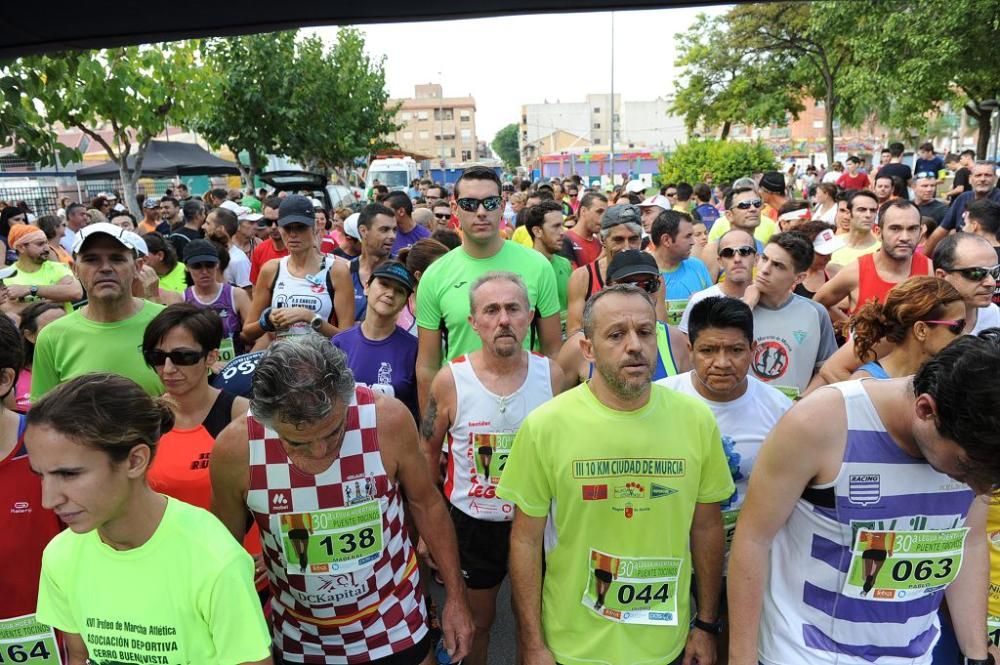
[
  {"x": 547, "y": 231},
  {"x": 37, "y": 275},
  {"x": 443, "y": 296},
  {"x": 631, "y": 477}
]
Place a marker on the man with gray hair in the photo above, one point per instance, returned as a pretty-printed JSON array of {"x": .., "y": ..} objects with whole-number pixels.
[
  {"x": 322, "y": 466},
  {"x": 621, "y": 229},
  {"x": 629, "y": 477},
  {"x": 477, "y": 402}
]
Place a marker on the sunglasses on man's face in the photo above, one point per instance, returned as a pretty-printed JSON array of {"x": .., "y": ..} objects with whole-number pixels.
[
  {"x": 472, "y": 205},
  {"x": 202, "y": 266},
  {"x": 752, "y": 203},
  {"x": 730, "y": 252},
  {"x": 443, "y": 215},
  {"x": 180, "y": 358},
  {"x": 955, "y": 327},
  {"x": 648, "y": 284},
  {"x": 671, "y": 194},
  {"x": 977, "y": 274}
]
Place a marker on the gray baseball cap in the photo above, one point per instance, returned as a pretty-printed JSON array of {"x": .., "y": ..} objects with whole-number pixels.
[{"x": 621, "y": 214}]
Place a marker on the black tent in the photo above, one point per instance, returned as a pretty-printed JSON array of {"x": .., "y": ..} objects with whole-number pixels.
[{"x": 166, "y": 159}]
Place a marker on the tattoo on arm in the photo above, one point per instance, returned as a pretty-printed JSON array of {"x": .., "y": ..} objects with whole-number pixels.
[{"x": 427, "y": 423}]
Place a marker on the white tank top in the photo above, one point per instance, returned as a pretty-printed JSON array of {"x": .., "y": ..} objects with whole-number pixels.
[
  {"x": 482, "y": 434},
  {"x": 310, "y": 292}
]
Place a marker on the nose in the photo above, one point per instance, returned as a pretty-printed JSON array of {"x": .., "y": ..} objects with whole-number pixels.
[{"x": 52, "y": 494}]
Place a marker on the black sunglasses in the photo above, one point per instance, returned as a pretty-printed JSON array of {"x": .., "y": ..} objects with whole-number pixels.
[
  {"x": 202, "y": 266},
  {"x": 443, "y": 216},
  {"x": 157, "y": 358},
  {"x": 752, "y": 203},
  {"x": 649, "y": 284},
  {"x": 977, "y": 274},
  {"x": 472, "y": 205},
  {"x": 730, "y": 252}
]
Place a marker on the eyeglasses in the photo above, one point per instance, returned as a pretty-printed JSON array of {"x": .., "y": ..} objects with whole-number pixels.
[
  {"x": 730, "y": 252},
  {"x": 472, "y": 205},
  {"x": 446, "y": 215},
  {"x": 925, "y": 174},
  {"x": 672, "y": 194},
  {"x": 157, "y": 358},
  {"x": 649, "y": 284},
  {"x": 752, "y": 203},
  {"x": 202, "y": 266},
  {"x": 955, "y": 327},
  {"x": 976, "y": 274}
]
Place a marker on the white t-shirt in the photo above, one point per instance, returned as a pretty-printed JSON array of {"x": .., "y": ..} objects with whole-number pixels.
[
  {"x": 744, "y": 423},
  {"x": 832, "y": 176},
  {"x": 987, "y": 317},
  {"x": 695, "y": 298},
  {"x": 67, "y": 240},
  {"x": 237, "y": 272}
]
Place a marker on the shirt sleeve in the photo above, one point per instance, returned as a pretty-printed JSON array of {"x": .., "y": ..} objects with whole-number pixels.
[
  {"x": 428, "y": 305},
  {"x": 566, "y": 250},
  {"x": 703, "y": 275},
  {"x": 255, "y": 263},
  {"x": 53, "y": 605},
  {"x": 547, "y": 302},
  {"x": 719, "y": 228},
  {"x": 524, "y": 481},
  {"x": 954, "y": 212},
  {"x": 43, "y": 371},
  {"x": 716, "y": 480},
  {"x": 232, "y": 611},
  {"x": 827, "y": 338},
  {"x": 240, "y": 274}
]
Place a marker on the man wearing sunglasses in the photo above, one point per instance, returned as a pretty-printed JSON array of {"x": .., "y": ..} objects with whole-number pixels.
[
  {"x": 105, "y": 335},
  {"x": 443, "y": 296},
  {"x": 983, "y": 220},
  {"x": 736, "y": 256},
  {"x": 872, "y": 276},
  {"x": 273, "y": 247},
  {"x": 442, "y": 216},
  {"x": 743, "y": 208}
]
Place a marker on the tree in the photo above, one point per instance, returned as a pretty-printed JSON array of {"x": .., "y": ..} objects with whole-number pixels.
[
  {"x": 132, "y": 90},
  {"x": 505, "y": 145},
  {"x": 248, "y": 110},
  {"x": 725, "y": 84},
  {"x": 339, "y": 107},
  {"x": 725, "y": 160}
]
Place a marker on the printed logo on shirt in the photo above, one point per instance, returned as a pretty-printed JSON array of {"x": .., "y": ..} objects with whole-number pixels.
[
  {"x": 298, "y": 300},
  {"x": 629, "y": 466},
  {"x": 201, "y": 462},
  {"x": 20, "y": 508},
  {"x": 385, "y": 373},
  {"x": 657, "y": 491},
  {"x": 278, "y": 500},
  {"x": 864, "y": 488},
  {"x": 361, "y": 490},
  {"x": 630, "y": 491},
  {"x": 459, "y": 285},
  {"x": 799, "y": 335},
  {"x": 595, "y": 492},
  {"x": 770, "y": 359}
]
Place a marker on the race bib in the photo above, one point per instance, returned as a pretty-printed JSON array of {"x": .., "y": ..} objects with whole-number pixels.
[
  {"x": 675, "y": 310},
  {"x": 633, "y": 590},
  {"x": 791, "y": 392},
  {"x": 899, "y": 566},
  {"x": 227, "y": 350},
  {"x": 339, "y": 540},
  {"x": 729, "y": 525},
  {"x": 993, "y": 629},
  {"x": 490, "y": 453},
  {"x": 23, "y": 640}
]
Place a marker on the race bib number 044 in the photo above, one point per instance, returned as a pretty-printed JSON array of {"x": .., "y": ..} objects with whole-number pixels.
[
  {"x": 899, "y": 566},
  {"x": 633, "y": 590},
  {"x": 24, "y": 640},
  {"x": 339, "y": 540}
]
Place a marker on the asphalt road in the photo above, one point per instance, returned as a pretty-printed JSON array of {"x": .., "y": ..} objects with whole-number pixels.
[{"x": 502, "y": 643}]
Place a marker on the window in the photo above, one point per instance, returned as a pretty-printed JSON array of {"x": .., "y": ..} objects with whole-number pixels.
[
  {"x": 466, "y": 116},
  {"x": 422, "y": 115},
  {"x": 466, "y": 155},
  {"x": 446, "y": 137},
  {"x": 407, "y": 136},
  {"x": 424, "y": 135},
  {"x": 444, "y": 114},
  {"x": 597, "y": 125},
  {"x": 597, "y": 109},
  {"x": 466, "y": 133},
  {"x": 817, "y": 124},
  {"x": 451, "y": 152},
  {"x": 406, "y": 116}
]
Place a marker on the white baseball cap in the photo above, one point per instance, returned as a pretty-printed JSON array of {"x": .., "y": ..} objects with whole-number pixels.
[
  {"x": 827, "y": 242},
  {"x": 351, "y": 226},
  {"x": 141, "y": 248},
  {"x": 656, "y": 200},
  {"x": 105, "y": 228}
]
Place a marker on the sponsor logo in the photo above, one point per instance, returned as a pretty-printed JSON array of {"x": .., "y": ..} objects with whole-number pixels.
[
  {"x": 615, "y": 614},
  {"x": 770, "y": 359},
  {"x": 799, "y": 335},
  {"x": 657, "y": 491},
  {"x": 459, "y": 285},
  {"x": 628, "y": 511},
  {"x": 864, "y": 488},
  {"x": 477, "y": 423},
  {"x": 661, "y": 616},
  {"x": 20, "y": 508},
  {"x": 629, "y": 466},
  {"x": 595, "y": 492},
  {"x": 630, "y": 490},
  {"x": 279, "y": 501},
  {"x": 884, "y": 593}
]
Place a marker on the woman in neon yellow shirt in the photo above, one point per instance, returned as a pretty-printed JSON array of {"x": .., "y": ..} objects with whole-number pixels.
[{"x": 137, "y": 576}]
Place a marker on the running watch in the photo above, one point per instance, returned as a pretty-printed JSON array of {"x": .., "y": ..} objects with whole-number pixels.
[
  {"x": 980, "y": 661},
  {"x": 316, "y": 323},
  {"x": 713, "y": 628}
]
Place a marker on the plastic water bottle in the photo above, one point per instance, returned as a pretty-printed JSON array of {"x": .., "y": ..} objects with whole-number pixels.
[{"x": 441, "y": 656}]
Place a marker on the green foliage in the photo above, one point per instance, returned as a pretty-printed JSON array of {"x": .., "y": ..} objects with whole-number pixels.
[
  {"x": 505, "y": 145},
  {"x": 725, "y": 84},
  {"x": 725, "y": 160}
]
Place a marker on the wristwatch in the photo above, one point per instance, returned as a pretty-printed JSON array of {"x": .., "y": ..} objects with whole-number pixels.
[
  {"x": 714, "y": 628},
  {"x": 33, "y": 291},
  {"x": 980, "y": 661},
  {"x": 265, "y": 322},
  {"x": 316, "y": 323}
]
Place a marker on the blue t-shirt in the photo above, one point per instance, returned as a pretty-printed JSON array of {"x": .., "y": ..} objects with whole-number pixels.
[
  {"x": 708, "y": 214},
  {"x": 386, "y": 365},
  {"x": 690, "y": 277},
  {"x": 237, "y": 376},
  {"x": 403, "y": 240},
  {"x": 875, "y": 370},
  {"x": 933, "y": 165},
  {"x": 953, "y": 218}
]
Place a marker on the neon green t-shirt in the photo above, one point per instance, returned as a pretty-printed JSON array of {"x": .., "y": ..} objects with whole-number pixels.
[
  {"x": 845, "y": 256},
  {"x": 75, "y": 345},
  {"x": 48, "y": 274},
  {"x": 174, "y": 280},
  {"x": 623, "y": 488},
  {"x": 763, "y": 232},
  {"x": 185, "y": 596},
  {"x": 443, "y": 295}
]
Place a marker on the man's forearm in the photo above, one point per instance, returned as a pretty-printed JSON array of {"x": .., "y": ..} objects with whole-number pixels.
[
  {"x": 708, "y": 545},
  {"x": 425, "y": 371},
  {"x": 747, "y": 572},
  {"x": 526, "y": 589},
  {"x": 435, "y": 527},
  {"x": 967, "y": 598},
  {"x": 61, "y": 292}
]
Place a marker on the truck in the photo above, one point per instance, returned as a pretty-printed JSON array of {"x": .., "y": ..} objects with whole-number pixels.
[{"x": 395, "y": 173}]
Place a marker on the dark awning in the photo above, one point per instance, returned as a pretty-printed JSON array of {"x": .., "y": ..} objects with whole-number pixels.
[{"x": 166, "y": 159}]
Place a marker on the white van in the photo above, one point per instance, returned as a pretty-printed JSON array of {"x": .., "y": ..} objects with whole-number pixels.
[{"x": 395, "y": 173}]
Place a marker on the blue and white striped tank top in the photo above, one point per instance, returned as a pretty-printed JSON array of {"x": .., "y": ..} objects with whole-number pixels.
[{"x": 811, "y": 613}]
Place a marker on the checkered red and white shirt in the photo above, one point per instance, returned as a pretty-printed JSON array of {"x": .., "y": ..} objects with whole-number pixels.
[{"x": 339, "y": 618}]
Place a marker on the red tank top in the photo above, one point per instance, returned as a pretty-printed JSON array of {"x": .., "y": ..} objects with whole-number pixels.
[
  {"x": 343, "y": 572},
  {"x": 870, "y": 285},
  {"x": 595, "y": 281}
]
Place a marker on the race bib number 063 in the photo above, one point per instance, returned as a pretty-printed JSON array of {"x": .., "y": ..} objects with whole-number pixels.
[
  {"x": 899, "y": 566},
  {"x": 633, "y": 590}
]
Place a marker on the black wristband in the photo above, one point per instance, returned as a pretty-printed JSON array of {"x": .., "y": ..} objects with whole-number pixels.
[{"x": 714, "y": 628}]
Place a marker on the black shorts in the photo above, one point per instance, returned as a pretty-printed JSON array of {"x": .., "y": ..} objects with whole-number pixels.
[
  {"x": 483, "y": 549},
  {"x": 412, "y": 656},
  {"x": 873, "y": 555},
  {"x": 298, "y": 534}
]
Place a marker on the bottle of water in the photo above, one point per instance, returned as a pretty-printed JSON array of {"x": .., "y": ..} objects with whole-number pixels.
[{"x": 441, "y": 656}]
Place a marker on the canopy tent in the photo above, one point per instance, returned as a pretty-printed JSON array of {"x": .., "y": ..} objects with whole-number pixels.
[{"x": 166, "y": 159}]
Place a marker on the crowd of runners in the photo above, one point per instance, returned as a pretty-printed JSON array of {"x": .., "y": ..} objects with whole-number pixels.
[{"x": 246, "y": 429}]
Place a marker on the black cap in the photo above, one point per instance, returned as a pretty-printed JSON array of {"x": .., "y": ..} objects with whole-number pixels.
[
  {"x": 630, "y": 262},
  {"x": 200, "y": 251},
  {"x": 773, "y": 182},
  {"x": 395, "y": 271},
  {"x": 296, "y": 209}
]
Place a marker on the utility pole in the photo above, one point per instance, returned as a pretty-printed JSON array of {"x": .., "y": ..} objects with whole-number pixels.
[
  {"x": 611, "y": 137},
  {"x": 441, "y": 124}
]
